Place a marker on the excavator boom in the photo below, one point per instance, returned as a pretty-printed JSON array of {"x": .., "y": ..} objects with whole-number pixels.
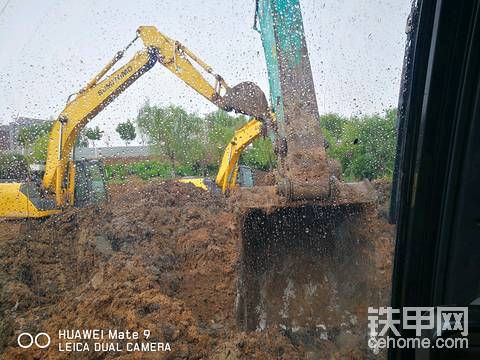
[
  {"x": 80, "y": 111},
  {"x": 293, "y": 233},
  {"x": 244, "y": 136}
]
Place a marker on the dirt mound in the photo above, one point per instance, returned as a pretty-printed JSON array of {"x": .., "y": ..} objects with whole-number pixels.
[{"x": 160, "y": 256}]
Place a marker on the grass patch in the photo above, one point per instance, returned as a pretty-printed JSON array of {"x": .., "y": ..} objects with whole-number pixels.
[{"x": 147, "y": 170}]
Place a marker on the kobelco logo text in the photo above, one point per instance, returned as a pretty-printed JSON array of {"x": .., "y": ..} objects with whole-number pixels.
[{"x": 26, "y": 340}]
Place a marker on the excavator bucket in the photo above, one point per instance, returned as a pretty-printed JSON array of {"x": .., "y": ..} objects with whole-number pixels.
[
  {"x": 247, "y": 98},
  {"x": 304, "y": 262}
]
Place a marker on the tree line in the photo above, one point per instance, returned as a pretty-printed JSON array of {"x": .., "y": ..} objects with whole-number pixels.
[
  {"x": 193, "y": 144},
  {"x": 195, "y": 141},
  {"x": 34, "y": 138},
  {"x": 364, "y": 145}
]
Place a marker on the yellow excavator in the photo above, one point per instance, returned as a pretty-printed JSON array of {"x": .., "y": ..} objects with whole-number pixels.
[
  {"x": 67, "y": 182},
  {"x": 230, "y": 174}
]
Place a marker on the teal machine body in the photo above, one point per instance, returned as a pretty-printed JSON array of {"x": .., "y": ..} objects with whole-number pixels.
[{"x": 300, "y": 141}]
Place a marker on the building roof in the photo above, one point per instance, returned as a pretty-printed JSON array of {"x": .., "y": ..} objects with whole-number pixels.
[{"x": 25, "y": 121}]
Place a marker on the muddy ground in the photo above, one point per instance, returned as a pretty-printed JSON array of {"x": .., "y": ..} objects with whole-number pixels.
[{"x": 163, "y": 257}]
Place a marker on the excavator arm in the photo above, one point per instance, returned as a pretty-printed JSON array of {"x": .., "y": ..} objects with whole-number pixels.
[
  {"x": 244, "y": 136},
  {"x": 78, "y": 112},
  {"x": 245, "y": 98}
]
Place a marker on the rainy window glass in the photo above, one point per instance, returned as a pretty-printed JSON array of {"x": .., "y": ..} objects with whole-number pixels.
[{"x": 232, "y": 179}]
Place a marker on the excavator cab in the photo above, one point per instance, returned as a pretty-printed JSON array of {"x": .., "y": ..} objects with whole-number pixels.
[
  {"x": 245, "y": 176},
  {"x": 27, "y": 199},
  {"x": 90, "y": 186}
]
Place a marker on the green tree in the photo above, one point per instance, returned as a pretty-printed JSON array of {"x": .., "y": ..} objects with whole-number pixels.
[
  {"x": 260, "y": 155},
  {"x": 176, "y": 134},
  {"x": 82, "y": 140},
  {"x": 93, "y": 134},
  {"x": 332, "y": 126},
  {"x": 29, "y": 134},
  {"x": 220, "y": 129},
  {"x": 366, "y": 148},
  {"x": 127, "y": 132},
  {"x": 196, "y": 141},
  {"x": 38, "y": 153}
]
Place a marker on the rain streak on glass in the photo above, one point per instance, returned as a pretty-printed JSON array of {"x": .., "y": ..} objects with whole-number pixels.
[{"x": 217, "y": 173}]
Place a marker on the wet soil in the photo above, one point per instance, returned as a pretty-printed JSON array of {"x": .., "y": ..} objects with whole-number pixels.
[{"x": 161, "y": 256}]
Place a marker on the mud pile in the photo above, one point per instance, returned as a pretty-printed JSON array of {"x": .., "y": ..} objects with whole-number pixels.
[
  {"x": 158, "y": 256},
  {"x": 161, "y": 256}
]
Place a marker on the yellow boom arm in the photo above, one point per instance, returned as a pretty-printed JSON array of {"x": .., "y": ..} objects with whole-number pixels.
[
  {"x": 227, "y": 173},
  {"x": 98, "y": 93}
]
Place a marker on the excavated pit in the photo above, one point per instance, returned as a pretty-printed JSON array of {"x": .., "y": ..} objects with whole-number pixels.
[{"x": 305, "y": 269}]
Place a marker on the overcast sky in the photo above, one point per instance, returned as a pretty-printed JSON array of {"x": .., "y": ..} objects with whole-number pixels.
[{"x": 51, "y": 48}]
